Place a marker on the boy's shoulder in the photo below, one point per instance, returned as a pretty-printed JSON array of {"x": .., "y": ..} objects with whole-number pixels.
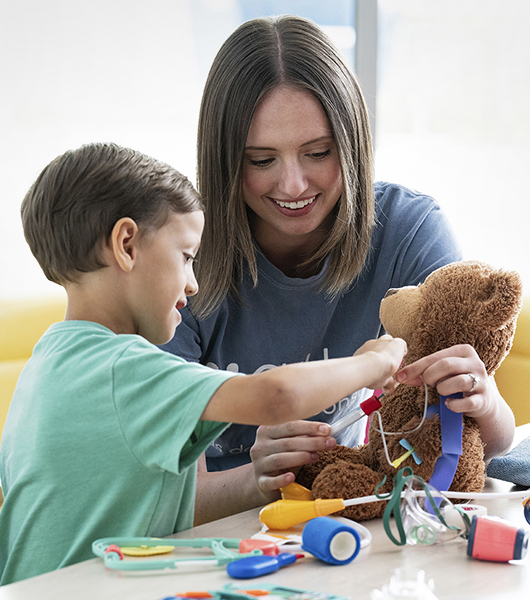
[
  {"x": 89, "y": 333},
  {"x": 79, "y": 345}
]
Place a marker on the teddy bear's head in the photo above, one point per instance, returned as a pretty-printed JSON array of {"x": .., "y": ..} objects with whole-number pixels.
[{"x": 465, "y": 302}]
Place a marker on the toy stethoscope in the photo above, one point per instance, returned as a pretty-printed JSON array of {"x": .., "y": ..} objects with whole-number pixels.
[{"x": 114, "y": 549}]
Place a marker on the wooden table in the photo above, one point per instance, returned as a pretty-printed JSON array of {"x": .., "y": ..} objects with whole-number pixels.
[{"x": 455, "y": 575}]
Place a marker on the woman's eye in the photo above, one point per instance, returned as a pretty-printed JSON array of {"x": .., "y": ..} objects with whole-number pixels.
[
  {"x": 318, "y": 155},
  {"x": 265, "y": 162}
]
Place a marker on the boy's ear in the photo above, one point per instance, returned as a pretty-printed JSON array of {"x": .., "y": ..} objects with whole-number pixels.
[{"x": 123, "y": 243}]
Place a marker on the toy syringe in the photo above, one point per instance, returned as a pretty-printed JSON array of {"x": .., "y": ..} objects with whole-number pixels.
[{"x": 364, "y": 409}]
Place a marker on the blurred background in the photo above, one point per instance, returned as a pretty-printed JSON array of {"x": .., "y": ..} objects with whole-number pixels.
[{"x": 447, "y": 84}]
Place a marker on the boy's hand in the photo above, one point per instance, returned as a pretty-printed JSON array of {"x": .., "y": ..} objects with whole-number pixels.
[
  {"x": 389, "y": 355},
  {"x": 279, "y": 451}
]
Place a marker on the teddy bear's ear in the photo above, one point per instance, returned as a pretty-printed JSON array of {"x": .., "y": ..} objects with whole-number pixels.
[{"x": 503, "y": 297}]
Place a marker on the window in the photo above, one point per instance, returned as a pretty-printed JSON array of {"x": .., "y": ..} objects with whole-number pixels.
[
  {"x": 453, "y": 116},
  {"x": 111, "y": 70}
]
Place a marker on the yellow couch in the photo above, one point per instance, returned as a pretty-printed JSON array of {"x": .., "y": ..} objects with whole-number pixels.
[
  {"x": 22, "y": 322},
  {"x": 513, "y": 376}
]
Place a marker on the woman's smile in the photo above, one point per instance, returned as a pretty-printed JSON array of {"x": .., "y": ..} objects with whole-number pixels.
[{"x": 294, "y": 207}]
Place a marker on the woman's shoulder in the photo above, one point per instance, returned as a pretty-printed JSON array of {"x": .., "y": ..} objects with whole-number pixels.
[
  {"x": 393, "y": 192},
  {"x": 393, "y": 200}
]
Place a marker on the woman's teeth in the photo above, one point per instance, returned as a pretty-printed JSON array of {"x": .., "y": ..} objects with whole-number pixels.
[{"x": 293, "y": 205}]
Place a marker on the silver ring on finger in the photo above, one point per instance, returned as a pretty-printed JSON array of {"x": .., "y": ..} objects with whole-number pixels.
[{"x": 474, "y": 382}]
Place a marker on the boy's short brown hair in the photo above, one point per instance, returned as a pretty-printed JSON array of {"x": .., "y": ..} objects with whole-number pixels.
[{"x": 72, "y": 207}]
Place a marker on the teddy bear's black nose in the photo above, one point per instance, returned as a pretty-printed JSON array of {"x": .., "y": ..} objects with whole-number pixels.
[{"x": 391, "y": 292}]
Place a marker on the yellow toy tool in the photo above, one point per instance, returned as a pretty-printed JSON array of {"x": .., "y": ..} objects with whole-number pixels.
[
  {"x": 296, "y": 507},
  {"x": 284, "y": 514}
]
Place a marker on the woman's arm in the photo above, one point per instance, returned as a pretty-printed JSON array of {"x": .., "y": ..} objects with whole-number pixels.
[
  {"x": 459, "y": 370},
  {"x": 277, "y": 455},
  {"x": 220, "y": 494}
]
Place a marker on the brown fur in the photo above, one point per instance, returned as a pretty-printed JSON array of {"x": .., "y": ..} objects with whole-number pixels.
[{"x": 462, "y": 303}]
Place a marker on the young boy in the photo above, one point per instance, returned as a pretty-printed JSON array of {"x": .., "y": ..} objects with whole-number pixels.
[{"x": 105, "y": 429}]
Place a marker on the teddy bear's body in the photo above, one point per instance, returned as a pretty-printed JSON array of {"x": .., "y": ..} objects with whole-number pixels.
[{"x": 462, "y": 303}]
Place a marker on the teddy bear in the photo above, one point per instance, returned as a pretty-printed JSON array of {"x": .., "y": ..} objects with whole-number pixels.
[{"x": 465, "y": 302}]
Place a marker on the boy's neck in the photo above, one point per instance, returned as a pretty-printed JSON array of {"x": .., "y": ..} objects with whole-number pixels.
[{"x": 94, "y": 298}]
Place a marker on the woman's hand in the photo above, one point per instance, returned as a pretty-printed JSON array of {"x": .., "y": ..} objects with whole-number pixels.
[
  {"x": 279, "y": 451},
  {"x": 459, "y": 369},
  {"x": 451, "y": 371}
]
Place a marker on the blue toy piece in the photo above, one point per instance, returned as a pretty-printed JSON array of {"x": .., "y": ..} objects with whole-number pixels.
[
  {"x": 255, "y": 566},
  {"x": 331, "y": 541}
]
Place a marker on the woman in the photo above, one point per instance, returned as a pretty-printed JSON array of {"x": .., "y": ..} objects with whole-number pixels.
[{"x": 300, "y": 247}]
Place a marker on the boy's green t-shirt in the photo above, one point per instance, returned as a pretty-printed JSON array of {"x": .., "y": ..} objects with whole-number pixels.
[{"x": 101, "y": 439}]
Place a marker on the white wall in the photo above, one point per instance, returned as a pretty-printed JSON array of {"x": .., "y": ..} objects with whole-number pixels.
[
  {"x": 78, "y": 71},
  {"x": 453, "y": 117},
  {"x": 453, "y": 104}
]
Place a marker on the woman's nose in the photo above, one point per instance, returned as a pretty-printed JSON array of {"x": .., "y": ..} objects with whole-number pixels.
[
  {"x": 192, "y": 286},
  {"x": 293, "y": 181}
]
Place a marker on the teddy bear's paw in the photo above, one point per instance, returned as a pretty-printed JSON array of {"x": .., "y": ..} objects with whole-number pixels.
[
  {"x": 307, "y": 474},
  {"x": 345, "y": 480}
]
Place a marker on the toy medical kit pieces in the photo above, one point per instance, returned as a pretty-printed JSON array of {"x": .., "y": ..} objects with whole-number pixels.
[
  {"x": 268, "y": 548},
  {"x": 452, "y": 427},
  {"x": 225, "y": 550},
  {"x": 526, "y": 509},
  {"x": 364, "y": 409},
  {"x": 235, "y": 591},
  {"x": 296, "y": 506},
  {"x": 433, "y": 519},
  {"x": 401, "y": 586},
  {"x": 244, "y": 558},
  {"x": 295, "y": 491},
  {"x": 419, "y": 519},
  {"x": 331, "y": 541},
  {"x": 491, "y": 538},
  {"x": 255, "y": 566},
  {"x": 286, "y": 513}
]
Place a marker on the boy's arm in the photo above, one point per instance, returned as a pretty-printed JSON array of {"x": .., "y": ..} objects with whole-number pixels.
[{"x": 301, "y": 390}]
